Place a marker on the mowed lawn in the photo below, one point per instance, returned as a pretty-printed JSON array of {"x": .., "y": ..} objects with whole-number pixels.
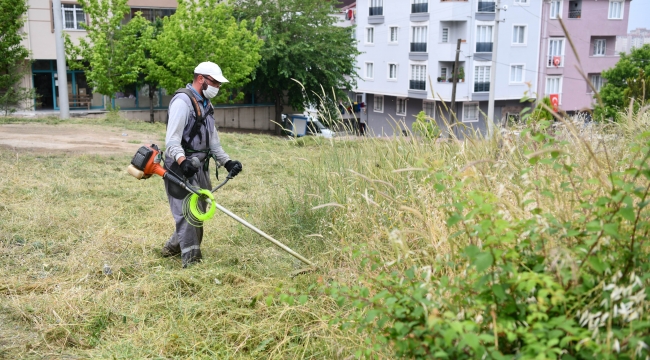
[{"x": 64, "y": 216}]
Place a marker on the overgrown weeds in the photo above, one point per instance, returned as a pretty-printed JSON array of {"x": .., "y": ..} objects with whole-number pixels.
[{"x": 514, "y": 246}]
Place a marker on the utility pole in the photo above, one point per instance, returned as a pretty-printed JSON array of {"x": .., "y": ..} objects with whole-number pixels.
[
  {"x": 453, "y": 86},
  {"x": 493, "y": 69},
  {"x": 64, "y": 106}
]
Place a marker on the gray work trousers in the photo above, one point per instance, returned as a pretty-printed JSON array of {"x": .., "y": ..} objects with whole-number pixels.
[{"x": 187, "y": 238}]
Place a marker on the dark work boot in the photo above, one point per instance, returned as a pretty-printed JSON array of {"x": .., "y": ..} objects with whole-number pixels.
[
  {"x": 167, "y": 252},
  {"x": 191, "y": 257}
]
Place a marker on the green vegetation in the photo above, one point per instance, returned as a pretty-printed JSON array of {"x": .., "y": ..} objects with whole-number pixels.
[
  {"x": 619, "y": 81},
  {"x": 303, "y": 53},
  {"x": 527, "y": 246},
  {"x": 13, "y": 62},
  {"x": 426, "y": 127},
  {"x": 164, "y": 53}
]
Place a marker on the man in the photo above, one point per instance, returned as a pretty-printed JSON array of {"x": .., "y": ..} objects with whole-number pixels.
[{"x": 191, "y": 135}]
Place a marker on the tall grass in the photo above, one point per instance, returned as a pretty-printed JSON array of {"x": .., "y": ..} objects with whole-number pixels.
[{"x": 334, "y": 201}]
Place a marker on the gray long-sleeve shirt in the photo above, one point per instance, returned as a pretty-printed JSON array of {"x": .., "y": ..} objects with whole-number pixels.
[{"x": 179, "y": 113}]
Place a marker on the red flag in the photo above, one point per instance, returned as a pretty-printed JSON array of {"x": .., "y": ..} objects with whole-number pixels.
[{"x": 555, "y": 101}]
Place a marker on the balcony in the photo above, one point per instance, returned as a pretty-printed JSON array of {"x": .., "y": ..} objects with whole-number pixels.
[
  {"x": 376, "y": 11},
  {"x": 486, "y": 6},
  {"x": 484, "y": 47},
  {"x": 419, "y": 8},
  {"x": 418, "y": 47},
  {"x": 417, "y": 85},
  {"x": 575, "y": 14},
  {"x": 481, "y": 86}
]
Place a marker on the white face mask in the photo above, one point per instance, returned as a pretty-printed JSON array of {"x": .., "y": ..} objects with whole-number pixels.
[{"x": 211, "y": 92}]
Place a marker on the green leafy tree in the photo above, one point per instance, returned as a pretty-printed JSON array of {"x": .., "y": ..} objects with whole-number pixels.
[
  {"x": 301, "y": 43},
  {"x": 638, "y": 88},
  {"x": 613, "y": 91},
  {"x": 112, "y": 54},
  {"x": 204, "y": 30},
  {"x": 13, "y": 64}
]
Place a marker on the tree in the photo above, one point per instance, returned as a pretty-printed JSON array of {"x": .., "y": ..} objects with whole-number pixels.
[
  {"x": 204, "y": 30},
  {"x": 613, "y": 91},
  {"x": 638, "y": 88},
  {"x": 301, "y": 43},
  {"x": 112, "y": 55},
  {"x": 13, "y": 64}
]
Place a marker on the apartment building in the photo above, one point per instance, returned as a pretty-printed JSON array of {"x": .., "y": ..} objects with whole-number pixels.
[
  {"x": 593, "y": 26},
  {"x": 634, "y": 39},
  {"x": 408, "y": 52},
  {"x": 39, "y": 40}
]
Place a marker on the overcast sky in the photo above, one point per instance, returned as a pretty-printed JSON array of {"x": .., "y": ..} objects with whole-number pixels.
[{"x": 639, "y": 14}]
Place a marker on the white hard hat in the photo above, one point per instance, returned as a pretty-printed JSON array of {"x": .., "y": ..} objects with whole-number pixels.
[{"x": 212, "y": 69}]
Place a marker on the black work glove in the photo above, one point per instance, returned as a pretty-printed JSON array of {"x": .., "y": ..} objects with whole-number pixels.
[
  {"x": 233, "y": 167},
  {"x": 188, "y": 168}
]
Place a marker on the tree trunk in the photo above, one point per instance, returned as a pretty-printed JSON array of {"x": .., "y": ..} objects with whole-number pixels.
[
  {"x": 278, "y": 113},
  {"x": 152, "y": 90}
]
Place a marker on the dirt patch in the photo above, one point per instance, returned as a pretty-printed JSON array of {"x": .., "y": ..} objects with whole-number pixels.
[{"x": 81, "y": 139}]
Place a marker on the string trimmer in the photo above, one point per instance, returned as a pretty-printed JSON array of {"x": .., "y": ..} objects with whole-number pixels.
[{"x": 146, "y": 162}]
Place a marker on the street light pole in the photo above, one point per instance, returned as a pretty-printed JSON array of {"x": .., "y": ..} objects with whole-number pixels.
[
  {"x": 493, "y": 70},
  {"x": 64, "y": 106}
]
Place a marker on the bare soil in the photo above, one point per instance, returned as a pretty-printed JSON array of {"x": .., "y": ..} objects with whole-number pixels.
[{"x": 69, "y": 138}]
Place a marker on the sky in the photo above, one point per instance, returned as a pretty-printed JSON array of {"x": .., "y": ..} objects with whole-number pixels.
[{"x": 639, "y": 11}]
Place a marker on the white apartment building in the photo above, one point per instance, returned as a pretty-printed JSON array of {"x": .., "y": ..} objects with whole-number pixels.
[{"x": 408, "y": 52}]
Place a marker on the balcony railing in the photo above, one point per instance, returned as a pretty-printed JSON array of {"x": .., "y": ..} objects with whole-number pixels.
[
  {"x": 376, "y": 10},
  {"x": 552, "y": 60},
  {"x": 481, "y": 86},
  {"x": 417, "y": 85},
  {"x": 486, "y": 6},
  {"x": 484, "y": 47},
  {"x": 419, "y": 8},
  {"x": 575, "y": 14},
  {"x": 418, "y": 47}
]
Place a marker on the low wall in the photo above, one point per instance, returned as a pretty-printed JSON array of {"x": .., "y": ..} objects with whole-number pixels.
[{"x": 235, "y": 117}]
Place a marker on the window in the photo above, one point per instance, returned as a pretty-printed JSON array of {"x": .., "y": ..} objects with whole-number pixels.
[
  {"x": 516, "y": 74},
  {"x": 482, "y": 78},
  {"x": 392, "y": 71},
  {"x": 484, "y": 38},
  {"x": 615, "y": 9},
  {"x": 470, "y": 112},
  {"x": 152, "y": 14},
  {"x": 443, "y": 73},
  {"x": 555, "y": 52},
  {"x": 519, "y": 34},
  {"x": 376, "y": 7},
  {"x": 418, "y": 77},
  {"x": 420, "y": 6},
  {"x": 370, "y": 70},
  {"x": 378, "y": 105},
  {"x": 419, "y": 39},
  {"x": 445, "y": 35},
  {"x": 554, "y": 86},
  {"x": 429, "y": 109},
  {"x": 359, "y": 98},
  {"x": 521, "y": 1},
  {"x": 73, "y": 17},
  {"x": 599, "y": 47},
  {"x": 393, "y": 35},
  {"x": 556, "y": 9},
  {"x": 596, "y": 81},
  {"x": 401, "y": 106},
  {"x": 370, "y": 35}
]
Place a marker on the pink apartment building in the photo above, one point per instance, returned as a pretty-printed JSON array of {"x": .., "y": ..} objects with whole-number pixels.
[{"x": 593, "y": 26}]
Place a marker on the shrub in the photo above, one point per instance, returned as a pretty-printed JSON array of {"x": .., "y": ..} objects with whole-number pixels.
[
  {"x": 563, "y": 273},
  {"x": 424, "y": 127}
]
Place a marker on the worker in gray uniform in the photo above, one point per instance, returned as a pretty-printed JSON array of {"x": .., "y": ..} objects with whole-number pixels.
[{"x": 191, "y": 133}]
